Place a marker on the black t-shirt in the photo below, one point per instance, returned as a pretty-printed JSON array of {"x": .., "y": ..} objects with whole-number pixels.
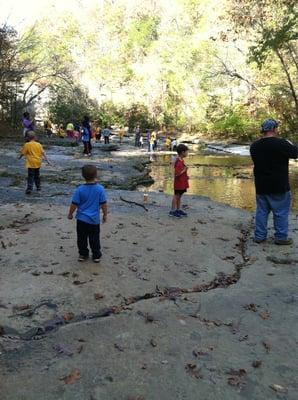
[{"x": 271, "y": 164}]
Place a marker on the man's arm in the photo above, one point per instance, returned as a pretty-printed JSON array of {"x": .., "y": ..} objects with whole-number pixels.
[
  {"x": 289, "y": 149},
  {"x": 104, "y": 208},
  {"x": 72, "y": 209}
]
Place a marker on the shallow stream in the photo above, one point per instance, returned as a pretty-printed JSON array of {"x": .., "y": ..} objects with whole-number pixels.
[{"x": 224, "y": 178}]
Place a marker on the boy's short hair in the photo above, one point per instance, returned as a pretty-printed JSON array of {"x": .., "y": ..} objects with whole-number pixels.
[
  {"x": 89, "y": 172},
  {"x": 181, "y": 148},
  {"x": 30, "y": 135}
]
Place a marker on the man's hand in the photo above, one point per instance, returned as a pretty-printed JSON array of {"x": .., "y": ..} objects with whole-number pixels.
[
  {"x": 104, "y": 218},
  {"x": 70, "y": 216}
]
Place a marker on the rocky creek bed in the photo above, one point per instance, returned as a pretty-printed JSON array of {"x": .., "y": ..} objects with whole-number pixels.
[{"x": 188, "y": 309}]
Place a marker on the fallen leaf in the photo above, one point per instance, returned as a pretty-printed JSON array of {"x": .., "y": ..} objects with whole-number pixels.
[
  {"x": 21, "y": 307},
  {"x": 257, "y": 363},
  {"x": 63, "y": 350},
  {"x": 194, "y": 371},
  {"x": 66, "y": 273},
  {"x": 98, "y": 296},
  {"x": 267, "y": 346},
  {"x": 74, "y": 376},
  {"x": 77, "y": 282},
  {"x": 118, "y": 347},
  {"x": 265, "y": 315},
  {"x": 278, "y": 388},
  {"x": 251, "y": 307},
  {"x": 68, "y": 316},
  {"x": 79, "y": 349},
  {"x": 238, "y": 378},
  {"x": 149, "y": 318}
]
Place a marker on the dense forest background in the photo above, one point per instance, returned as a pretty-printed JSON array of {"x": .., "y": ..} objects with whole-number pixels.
[{"x": 208, "y": 66}]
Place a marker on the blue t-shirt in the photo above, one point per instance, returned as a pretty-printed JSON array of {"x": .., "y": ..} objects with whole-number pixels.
[
  {"x": 89, "y": 198},
  {"x": 85, "y": 135}
]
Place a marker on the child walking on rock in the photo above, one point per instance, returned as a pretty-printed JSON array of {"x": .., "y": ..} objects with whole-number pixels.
[
  {"x": 180, "y": 182},
  {"x": 34, "y": 153},
  {"x": 87, "y": 200}
]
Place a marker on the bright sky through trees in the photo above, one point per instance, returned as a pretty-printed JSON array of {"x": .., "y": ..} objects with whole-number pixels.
[{"x": 219, "y": 66}]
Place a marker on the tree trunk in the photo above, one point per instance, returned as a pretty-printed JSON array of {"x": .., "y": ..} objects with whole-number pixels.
[{"x": 291, "y": 85}]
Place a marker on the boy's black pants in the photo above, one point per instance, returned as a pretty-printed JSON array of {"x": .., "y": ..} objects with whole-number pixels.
[
  {"x": 87, "y": 231},
  {"x": 87, "y": 147},
  {"x": 33, "y": 177}
]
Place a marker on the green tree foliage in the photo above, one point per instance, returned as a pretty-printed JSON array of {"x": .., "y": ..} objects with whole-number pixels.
[
  {"x": 272, "y": 27},
  {"x": 188, "y": 64},
  {"x": 70, "y": 104}
]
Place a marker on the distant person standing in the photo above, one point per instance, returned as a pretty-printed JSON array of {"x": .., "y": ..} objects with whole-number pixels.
[
  {"x": 137, "y": 136},
  {"x": 106, "y": 134},
  {"x": 27, "y": 123},
  {"x": 121, "y": 134},
  {"x": 70, "y": 130},
  {"x": 98, "y": 133},
  {"x": 168, "y": 143},
  {"x": 153, "y": 140},
  {"x": 148, "y": 137},
  {"x": 86, "y": 136},
  {"x": 174, "y": 145},
  {"x": 180, "y": 181},
  {"x": 270, "y": 156},
  {"x": 141, "y": 142},
  {"x": 48, "y": 129}
]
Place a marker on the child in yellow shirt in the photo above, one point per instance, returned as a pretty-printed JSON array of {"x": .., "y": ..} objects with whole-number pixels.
[{"x": 33, "y": 152}]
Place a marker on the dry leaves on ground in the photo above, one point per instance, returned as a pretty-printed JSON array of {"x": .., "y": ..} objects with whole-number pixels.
[
  {"x": 73, "y": 377},
  {"x": 194, "y": 371},
  {"x": 68, "y": 316},
  {"x": 98, "y": 296},
  {"x": 278, "y": 388},
  {"x": 237, "y": 378}
]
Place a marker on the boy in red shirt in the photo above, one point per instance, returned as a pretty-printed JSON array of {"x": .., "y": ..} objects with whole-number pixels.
[{"x": 180, "y": 182}]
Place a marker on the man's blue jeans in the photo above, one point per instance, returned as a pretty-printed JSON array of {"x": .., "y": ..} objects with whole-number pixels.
[{"x": 279, "y": 204}]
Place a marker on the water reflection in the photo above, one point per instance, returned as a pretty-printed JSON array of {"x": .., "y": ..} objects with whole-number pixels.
[{"x": 226, "y": 179}]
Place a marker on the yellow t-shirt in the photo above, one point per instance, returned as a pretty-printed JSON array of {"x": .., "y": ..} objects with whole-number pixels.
[{"x": 33, "y": 151}]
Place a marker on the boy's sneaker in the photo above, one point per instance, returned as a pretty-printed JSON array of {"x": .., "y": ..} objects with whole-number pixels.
[
  {"x": 175, "y": 214},
  {"x": 28, "y": 191},
  {"x": 96, "y": 260},
  {"x": 83, "y": 258},
  {"x": 182, "y": 213},
  {"x": 283, "y": 242},
  {"x": 260, "y": 240}
]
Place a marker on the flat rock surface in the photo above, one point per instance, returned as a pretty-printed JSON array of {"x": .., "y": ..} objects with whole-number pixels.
[{"x": 177, "y": 309}]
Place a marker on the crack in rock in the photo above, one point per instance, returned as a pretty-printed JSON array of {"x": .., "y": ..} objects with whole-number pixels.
[{"x": 172, "y": 293}]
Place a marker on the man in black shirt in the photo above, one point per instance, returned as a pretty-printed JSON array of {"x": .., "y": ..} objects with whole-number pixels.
[{"x": 270, "y": 156}]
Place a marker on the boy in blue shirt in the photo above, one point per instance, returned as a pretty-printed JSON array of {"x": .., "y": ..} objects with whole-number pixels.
[{"x": 87, "y": 200}]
